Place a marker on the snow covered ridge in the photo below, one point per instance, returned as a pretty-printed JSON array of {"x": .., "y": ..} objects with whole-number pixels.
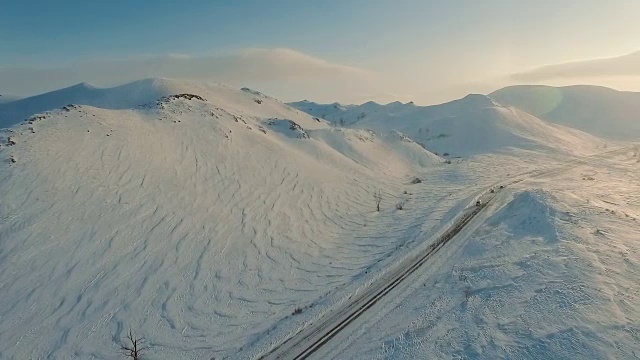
[
  {"x": 213, "y": 221},
  {"x": 201, "y": 220},
  {"x": 597, "y": 110},
  {"x": 167, "y": 99},
  {"x": 127, "y": 96},
  {"x": 475, "y": 124},
  {"x": 8, "y": 98},
  {"x": 253, "y": 92},
  {"x": 250, "y": 108},
  {"x": 120, "y": 97},
  {"x": 372, "y": 112},
  {"x": 288, "y": 127},
  {"x": 551, "y": 274}
]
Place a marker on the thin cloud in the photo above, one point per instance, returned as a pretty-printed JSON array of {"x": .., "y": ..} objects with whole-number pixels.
[
  {"x": 246, "y": 66},
  {"x": 627, "y": 65}
]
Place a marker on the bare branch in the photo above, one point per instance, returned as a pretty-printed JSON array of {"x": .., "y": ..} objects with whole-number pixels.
[
  {"x": 377, "y": 196},
  {"x": 134, "y": 348}
]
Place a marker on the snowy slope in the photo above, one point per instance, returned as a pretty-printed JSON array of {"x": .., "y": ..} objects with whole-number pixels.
[
  {"x": 126, "y": 96},
  {"x": 475, "y": 124},
  {"x": 4, "y": 98},
  {"x": 325, "y": 111},
  {"x": 497, "y": 128},
  {"x": 214, "y": 222},
  {"x": 596, "y": 110},
  {"x": 393, "y": 153},
  {"x": 374, "y": 115},
  {"x": 201, "y": 223},
  {"x": 550, "y": 274}
]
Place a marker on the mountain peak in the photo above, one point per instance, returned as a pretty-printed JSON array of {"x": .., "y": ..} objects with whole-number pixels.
[
  {"x": 583, "y": 107},
  {"x": 370, "y": 104},
  {"x": 83, "y": 85},
  {"x": 129, "y": 95}
]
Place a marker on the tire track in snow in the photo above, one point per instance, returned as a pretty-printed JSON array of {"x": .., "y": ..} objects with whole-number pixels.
[{"x": 309, "y": 339}]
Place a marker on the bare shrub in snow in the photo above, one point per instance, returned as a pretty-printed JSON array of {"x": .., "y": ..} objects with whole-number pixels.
[
  {"x": 133, "y": 347},
  {"x": 462, "y": 277},
  {"x": 298, "y": 310},
  {"x": 467, "y": 293},
  {"x": 378, "y": 199},
  {"x": 182, "y": 96}
]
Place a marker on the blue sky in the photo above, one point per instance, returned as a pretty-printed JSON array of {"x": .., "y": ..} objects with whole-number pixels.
[{"x": 415, "y": 48}]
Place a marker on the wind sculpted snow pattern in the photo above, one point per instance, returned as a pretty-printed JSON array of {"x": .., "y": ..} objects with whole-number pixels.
[
  {"x": 200, "y": 224},
  {"x": 551, "y": 274},
  {"x": 473, "y": 125},
  {"x": 212, "y": 222}
]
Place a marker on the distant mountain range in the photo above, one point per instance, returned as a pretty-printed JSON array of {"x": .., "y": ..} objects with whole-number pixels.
[
  {"x": 599, "y": 111},
  {"x": 206, "y": 217}
]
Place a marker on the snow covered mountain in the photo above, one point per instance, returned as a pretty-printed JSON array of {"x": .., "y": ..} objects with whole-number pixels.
[
  {"x": 469, "y": 126},
  {"x": 121, "y": 97},
  {"x": 498, "y": 128},
  {"x": 377, "y": 115},
  {"x": 550, "y": 275},
  {"x": 214, "y": 222},
  {"x": 198, "y": 216},
  {"x": 8, "y": 98},
  {"x": 597, "y": 110}
]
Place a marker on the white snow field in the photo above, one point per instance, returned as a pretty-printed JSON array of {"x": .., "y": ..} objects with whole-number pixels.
[
  {"x": 552, "y": 273},
  {"x": 475, "y": 124},
  {"x": 217, "y": 225},
  {"x": 598, "y": 110},
  {"x": 200, "y": 225}
]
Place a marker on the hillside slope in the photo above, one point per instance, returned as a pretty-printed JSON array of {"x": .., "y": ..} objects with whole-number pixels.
[
  {"x": 376, "y": 115},
  {"x": 200, "y": 222},
  {"x": 214, "y": 222},
  {"x": 597, "y": 110},
  {"x": 475, "y": 124},
  {"x": 8, "y": 98},
  {"x": 551, "y": 274},
  {"x": 498, "y": 129},
  {"x": 127, "y": 96}
]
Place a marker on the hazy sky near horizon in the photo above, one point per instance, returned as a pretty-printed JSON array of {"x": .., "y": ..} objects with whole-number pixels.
[{"x": 427, "y": 51}]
